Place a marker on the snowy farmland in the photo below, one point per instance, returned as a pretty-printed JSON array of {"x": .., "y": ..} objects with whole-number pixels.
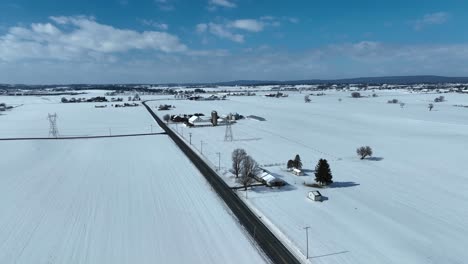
[
  {"x": 405, "y": 205},
  {"x": 112, "y": 200},
  {"x": 29, "y": 119}
]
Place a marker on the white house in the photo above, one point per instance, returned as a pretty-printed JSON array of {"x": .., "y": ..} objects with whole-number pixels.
[
  {"x": 298, "y": 172},
  {"x": 315, "y": 196},
  {"x": 271, "y": 180}
]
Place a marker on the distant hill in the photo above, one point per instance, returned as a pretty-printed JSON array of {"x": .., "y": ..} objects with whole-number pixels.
[
  {"x": 427, "y": 79},
  {"x": 418, "y": 79}
]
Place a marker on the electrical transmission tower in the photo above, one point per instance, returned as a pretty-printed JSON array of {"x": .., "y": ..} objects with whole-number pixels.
[
  {"x": 228, "y": 134},
  {"x": 53, "y": 130}
]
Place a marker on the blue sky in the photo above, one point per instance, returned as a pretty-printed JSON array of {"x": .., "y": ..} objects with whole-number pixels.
[{"x": 157, "y": 41}]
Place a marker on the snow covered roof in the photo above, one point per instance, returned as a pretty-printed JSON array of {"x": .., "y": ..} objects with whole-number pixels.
[
  {"x": 316, "y": 193},
  {"x": 268, "y": 178},
  {"x": 195, "y": 119}
]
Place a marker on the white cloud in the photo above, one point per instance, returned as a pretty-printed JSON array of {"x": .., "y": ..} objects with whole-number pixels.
[
  {"x": 222, "y": 32},
  {"x": 222, "y": 3},
  {"x": 431, "y": 19},
  {"x": 78, "y": 38},
  {"x": 247, "y": 24},
  {"x": 201, "y": 28},
  {"x": 165, "y": 5},
  {"x": 366, "y": 58},
  {"x": 230, "y": 29},
  {"x": 155, "y": 24}
]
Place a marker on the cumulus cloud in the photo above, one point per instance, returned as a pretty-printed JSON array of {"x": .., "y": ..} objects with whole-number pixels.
[
  {"x": 68, "y": 38},
  {"x": 230, "y": 29},
  {"x": 219, "y": 30},
  {"x": 247, "y": 24},
  {"x": 431, "y": 19},
  {"x": 212, "y": 4},
  {"x": 155, "y": 24},
  {"x": 165, "y": 5},
  {"x": 365, "y": 58}
]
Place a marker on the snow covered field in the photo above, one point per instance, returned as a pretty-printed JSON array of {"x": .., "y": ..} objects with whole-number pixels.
[
  {"x": 74, "y": 119},
  {"x": 113, "y": 200},
  {"x": 406, "y": 205}
]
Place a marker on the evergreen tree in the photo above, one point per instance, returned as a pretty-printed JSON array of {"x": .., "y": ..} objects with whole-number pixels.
[
  {"x": 323, "y": 174},
  {"x": 290, "y": 164},
  {"x": 297, "y": 162}
]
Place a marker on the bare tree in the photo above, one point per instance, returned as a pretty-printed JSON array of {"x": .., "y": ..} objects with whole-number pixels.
[
  {"x": 166, "y": 118},
  {"x": 431, "y": 106},
  {"x": 238, "y": 156},
  {"x": 364, "y": 152},
  {"x": 249, "y": 169},
  {"x": 307, "y": 99}
]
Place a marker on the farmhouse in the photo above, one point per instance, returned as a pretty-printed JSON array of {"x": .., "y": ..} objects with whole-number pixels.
[{"x": 270, "y": 180}]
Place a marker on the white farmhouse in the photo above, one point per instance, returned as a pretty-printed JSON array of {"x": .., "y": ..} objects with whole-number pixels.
[
  {"x": 298, "y": 172},
  {"x": 271, "y": 180}
]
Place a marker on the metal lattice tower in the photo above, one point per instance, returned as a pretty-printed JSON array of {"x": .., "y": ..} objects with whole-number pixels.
[
  {"x": 53, "y": 130},
  {"x": 228, "y": 134}
]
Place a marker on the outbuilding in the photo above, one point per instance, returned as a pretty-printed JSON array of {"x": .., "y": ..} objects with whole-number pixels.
[
  {"x": 315, "y": 196},
  {"x": 298, "y": 172}
]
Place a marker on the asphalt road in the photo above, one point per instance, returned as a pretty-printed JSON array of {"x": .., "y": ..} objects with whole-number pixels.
[{"x": 268, "y": 242}]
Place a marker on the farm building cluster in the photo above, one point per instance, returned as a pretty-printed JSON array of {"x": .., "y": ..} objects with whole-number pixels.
[
  {"x": 4, "y": 107},
  {"x": 212, "y": 97},
  {"x": 200, "y": 120}
]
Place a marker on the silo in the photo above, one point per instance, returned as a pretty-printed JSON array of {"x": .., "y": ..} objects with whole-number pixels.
[{"x": 214, "y": 118}]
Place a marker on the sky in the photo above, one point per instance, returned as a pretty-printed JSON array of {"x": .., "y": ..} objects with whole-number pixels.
[{"x": 179, "y": 41}]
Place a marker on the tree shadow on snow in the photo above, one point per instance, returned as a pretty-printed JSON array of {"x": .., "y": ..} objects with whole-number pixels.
[
  {"x": 375, "y": 158},
  {"x": 267, "y": 189},
  {"x": 343, "y": 184}
]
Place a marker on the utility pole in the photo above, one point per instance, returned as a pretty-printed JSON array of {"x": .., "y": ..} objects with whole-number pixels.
[
  {"x": 201, "y": 147},
  {"x": 219, "y": 160},
  {"x": 307, "y": 240},
  {"x": 151, "y": 128},
  {"x": 190, "y": 134}
]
